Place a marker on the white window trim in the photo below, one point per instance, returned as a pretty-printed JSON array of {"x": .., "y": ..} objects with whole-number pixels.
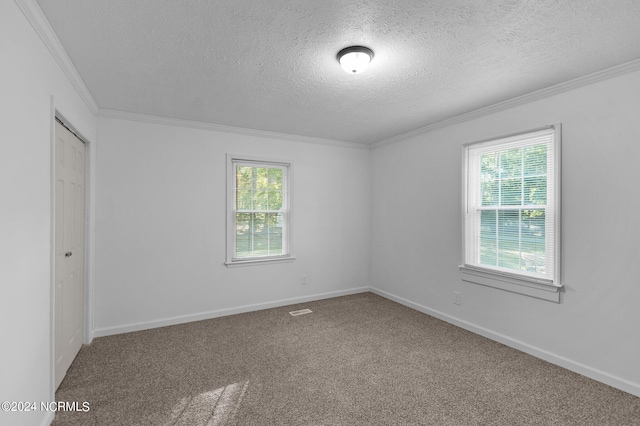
[
  {"x": 545, "y": 289},
  {"x": 230, "y": 222}
]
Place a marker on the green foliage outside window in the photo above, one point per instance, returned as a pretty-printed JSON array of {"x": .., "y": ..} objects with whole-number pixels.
[
  {"x": 512, "y": 230},
  {"x": 259, "y": 211}
]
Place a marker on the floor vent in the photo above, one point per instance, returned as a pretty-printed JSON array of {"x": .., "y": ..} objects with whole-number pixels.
[{"x": 300, "y": 312}]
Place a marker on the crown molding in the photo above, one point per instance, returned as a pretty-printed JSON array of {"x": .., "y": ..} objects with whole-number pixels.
[
  {"x": 154, "y": 119},
  {"x": 31, "y": 10},
  {"x": 586, "y": 80}
]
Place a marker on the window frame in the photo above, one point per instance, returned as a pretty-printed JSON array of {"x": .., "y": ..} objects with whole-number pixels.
[
  {"x": 287, "y": 210},
  {"x": 521, "y": 283}
]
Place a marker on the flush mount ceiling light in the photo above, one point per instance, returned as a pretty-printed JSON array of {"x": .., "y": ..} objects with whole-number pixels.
[{"x": 355, "y": 59}]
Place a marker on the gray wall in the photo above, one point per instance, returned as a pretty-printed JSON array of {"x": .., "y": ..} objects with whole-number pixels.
[
  {"x": 389, "y": 218},
  {"x": 32, "y": 85},
  {"x": 160, "y": 225},
  {"x": 417, "y": 243}
]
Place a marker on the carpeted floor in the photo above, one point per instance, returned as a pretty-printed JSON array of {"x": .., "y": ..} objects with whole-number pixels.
[{"x": 356, "y": 360}]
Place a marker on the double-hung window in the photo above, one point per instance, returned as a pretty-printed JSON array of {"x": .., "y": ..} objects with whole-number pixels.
[
  {"x": 511, "y": 211},
  {"x": 258, "y": 211}
]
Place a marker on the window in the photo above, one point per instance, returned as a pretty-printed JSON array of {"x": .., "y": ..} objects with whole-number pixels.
[
  {"x": 511, "y": 209},
  {"x": 258, "y": 211}
]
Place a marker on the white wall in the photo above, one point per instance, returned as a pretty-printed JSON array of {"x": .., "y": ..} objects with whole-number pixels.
[
  {"x": 29, "y": 77},
  {"x": 416, "y": 246},
  {"x": 160, "y": 225}
]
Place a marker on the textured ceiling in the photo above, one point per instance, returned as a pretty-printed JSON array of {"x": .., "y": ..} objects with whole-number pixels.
[{"x": 270, "y": 64}]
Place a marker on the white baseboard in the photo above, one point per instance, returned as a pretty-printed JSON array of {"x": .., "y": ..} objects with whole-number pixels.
[
  {"x": 108, "y": 331},
  {"x": 576, "y": 367},
  {"x": 585, "y": 370}
]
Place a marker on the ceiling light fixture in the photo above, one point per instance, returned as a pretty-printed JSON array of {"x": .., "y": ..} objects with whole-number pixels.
[{"x": 355, "y": 59}]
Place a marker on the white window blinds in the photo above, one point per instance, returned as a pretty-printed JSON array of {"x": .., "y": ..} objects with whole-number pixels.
[
  {"x": 259, "y": 211},
  {"x": 511, "y": 211}
]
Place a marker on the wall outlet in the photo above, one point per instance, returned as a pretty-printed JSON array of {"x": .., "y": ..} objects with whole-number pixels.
[
  {"x": 457, "y": 298},
  {"x": 303, "y": 280}
]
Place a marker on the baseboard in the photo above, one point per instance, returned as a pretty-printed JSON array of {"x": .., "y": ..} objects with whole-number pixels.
[
  {"x": 585, "y": 370},
  {"x": 108, "y": 331},
  {"x": 576, "y": 367},
  {"x": 48, "y": 419}
]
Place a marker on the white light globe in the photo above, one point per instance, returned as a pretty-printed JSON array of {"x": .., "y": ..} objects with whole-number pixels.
[{"x": 355, "y": 59}]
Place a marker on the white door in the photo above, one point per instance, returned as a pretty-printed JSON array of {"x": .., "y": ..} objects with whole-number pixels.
[{"x": 69, "y": 263}]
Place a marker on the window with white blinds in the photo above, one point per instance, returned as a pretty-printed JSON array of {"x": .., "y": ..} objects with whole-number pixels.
[
  {"x": 511, "y": 206},
  {"x": 258, "y": 212}
]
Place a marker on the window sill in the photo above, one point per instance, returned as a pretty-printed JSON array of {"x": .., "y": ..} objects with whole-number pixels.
[
  {"x": 549, "y": 292},
  {"x": 254, "y": 262}
]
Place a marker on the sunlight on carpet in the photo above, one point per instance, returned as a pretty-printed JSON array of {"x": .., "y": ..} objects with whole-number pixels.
[{"x": 211, "y": 408}]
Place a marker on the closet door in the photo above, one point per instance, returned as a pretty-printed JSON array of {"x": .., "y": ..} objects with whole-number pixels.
[{"x": 69, "y": 259}]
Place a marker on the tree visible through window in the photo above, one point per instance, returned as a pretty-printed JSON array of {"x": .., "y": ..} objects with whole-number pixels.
[
  {"x": 259, "y": 212},
  {"x": 510, "y": 215}
]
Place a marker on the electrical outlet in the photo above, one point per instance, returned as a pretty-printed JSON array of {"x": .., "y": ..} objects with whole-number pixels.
[
  {"x": 457, "y": 298},
  {"x": 303, "y": 280}
]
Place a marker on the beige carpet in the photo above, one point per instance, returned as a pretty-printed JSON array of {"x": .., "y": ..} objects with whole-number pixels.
[{"x": 356, "y": 360}]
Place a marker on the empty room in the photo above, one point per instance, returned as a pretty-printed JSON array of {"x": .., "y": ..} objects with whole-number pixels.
[{"x": 320, "y": 212}]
